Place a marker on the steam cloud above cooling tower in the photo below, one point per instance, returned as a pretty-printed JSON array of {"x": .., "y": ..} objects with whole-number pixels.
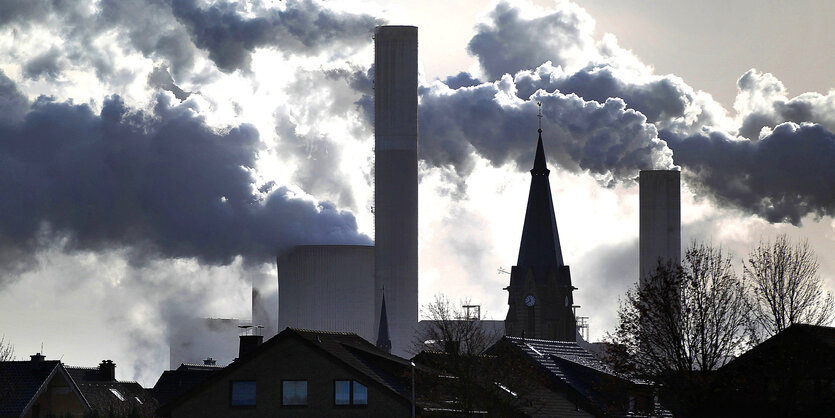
[{"x": 163, "y": 184}]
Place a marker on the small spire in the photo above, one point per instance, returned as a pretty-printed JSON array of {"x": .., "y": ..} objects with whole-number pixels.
[
  {"x": 539, "y": 165},
  {"x": 383, "y": 340},
  {"x": 540, "y": 118}
]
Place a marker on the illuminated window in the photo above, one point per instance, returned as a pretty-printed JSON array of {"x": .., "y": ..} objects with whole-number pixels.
[
  {"x": 350, "y": 392},
  {"x": 243, "y": 393},
  {"x": 294, "y": 392}
]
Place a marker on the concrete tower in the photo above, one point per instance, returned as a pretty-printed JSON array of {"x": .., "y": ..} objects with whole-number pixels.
[
  {"x": 660, "y": 229},
  {"x": 540, "y": 295},
  {"x": 395, "y": 181}
]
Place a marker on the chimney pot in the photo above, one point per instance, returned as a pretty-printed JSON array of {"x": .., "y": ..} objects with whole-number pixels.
[
  {"x": 248, "y": 344},
  {"x": 108, "y": 369}
]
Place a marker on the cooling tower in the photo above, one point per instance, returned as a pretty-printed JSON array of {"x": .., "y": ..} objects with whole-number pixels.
[
  {"x": 327, "y": 288},
  {"x": 395, "y": 181},
  {"x": 660, "y": 229}
]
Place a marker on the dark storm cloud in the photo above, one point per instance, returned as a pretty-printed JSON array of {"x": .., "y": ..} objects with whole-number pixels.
[
  {"x": 46, "y": 64},
  {"x": 160, "y": 78},
  {"x": 13, "y": 104},
  {"x": 160, "y": 184},
  {"x": 303, "y": 27},
  {"x": 172, "y": 31},
  {"x": 607, "y": 140},
  {"x": 763, "y": 103},
  {"x": 20, "y": 10},
  {"x": 462, "y": 79},
  {"x": 782, "y": 177},
  {"x": 510, "y": 42},
  {"x": 659, "y": 98}
]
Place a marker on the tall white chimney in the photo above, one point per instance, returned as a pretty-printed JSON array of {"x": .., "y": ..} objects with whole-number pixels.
[
  {"x": 660, "y": 229},
  {"x": 395, "y": 181}
]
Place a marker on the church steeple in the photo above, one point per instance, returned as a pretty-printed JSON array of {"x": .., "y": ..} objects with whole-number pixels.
[
  {"x": 540, "y": 295},
  {"x": 383, "y": 340},
  {"x": 540, "y": 246}
]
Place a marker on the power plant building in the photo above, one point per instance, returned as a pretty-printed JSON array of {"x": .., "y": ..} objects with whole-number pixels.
[
  {"x": 328, "y": 288},
  {"x": 341, "y": 287},
  {"x": 660, "y": 219}
]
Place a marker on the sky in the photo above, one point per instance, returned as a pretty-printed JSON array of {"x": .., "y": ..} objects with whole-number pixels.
[{"x": 156, "y": 155}]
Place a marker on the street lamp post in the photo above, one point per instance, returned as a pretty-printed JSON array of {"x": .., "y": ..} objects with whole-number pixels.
[{"x": 413, "y": 389}]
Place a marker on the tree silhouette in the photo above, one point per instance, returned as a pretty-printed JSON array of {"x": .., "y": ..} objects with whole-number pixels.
[
  {"x": 683, "y": 322},
  {"x": 786, "y": 288}
]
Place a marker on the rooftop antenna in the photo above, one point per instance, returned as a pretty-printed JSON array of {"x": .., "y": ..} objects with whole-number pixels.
[{"x": 539, "y": 116}]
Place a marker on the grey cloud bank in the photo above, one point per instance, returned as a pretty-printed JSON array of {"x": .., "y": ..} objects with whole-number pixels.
[{"x": 160, "y": 184}]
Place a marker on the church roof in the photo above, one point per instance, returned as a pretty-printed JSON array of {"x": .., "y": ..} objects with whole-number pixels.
[{"x": 540, "y": 245}]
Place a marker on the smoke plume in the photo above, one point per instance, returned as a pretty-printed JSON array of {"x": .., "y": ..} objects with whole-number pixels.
[{"x": 160, "y": 183}]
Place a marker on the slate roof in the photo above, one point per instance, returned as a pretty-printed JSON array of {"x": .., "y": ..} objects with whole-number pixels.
[
  {"x": 540, "y": 246},
  {"x": 576, "y": 369},
  {"x": 360, "y": 355},
  {"x": 101, "y": 391},
  {"x": 21, "y": 382},
  {"x": 173, "y": 383},
  {"x": 800, "y": 347}
]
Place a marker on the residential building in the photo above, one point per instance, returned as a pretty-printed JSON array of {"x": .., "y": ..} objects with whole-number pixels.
[
  {"x": 37, "y": 388},
  {"x": 304, "y": 373},
  {"x": 561, "y": 378}
]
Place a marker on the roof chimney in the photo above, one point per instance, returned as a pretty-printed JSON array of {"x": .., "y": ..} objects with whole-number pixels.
[
  {"x": 37, "y": 357},
  {"x": 250, "y": 339},
  {"x": 108, "y": 369},
  {"x": 209, "y": 361}
]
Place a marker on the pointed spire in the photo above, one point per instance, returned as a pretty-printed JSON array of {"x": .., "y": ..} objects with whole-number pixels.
[
  {"x": 539, "y": 165},
  {"x": 383, "y": 340},
  {"x": 540, "y": 246}
]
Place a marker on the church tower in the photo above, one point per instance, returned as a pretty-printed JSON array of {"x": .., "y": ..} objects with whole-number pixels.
[{"x": 540, "y": 293}]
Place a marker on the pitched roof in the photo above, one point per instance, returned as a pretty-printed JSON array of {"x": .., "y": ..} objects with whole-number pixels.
[
  {"x": 802, "y": 348},
  {"x": 22, "y": 382},
  {"x": 348, "y": 348},
  {"x": 106, "y": 395},
  {"x": 576, "y": 369},
  {"x": 540, "y": 246},
  {"x": 173, "y": 383}
]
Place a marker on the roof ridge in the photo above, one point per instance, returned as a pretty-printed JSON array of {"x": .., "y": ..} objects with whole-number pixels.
[
  {"x": 315, "y": 331},
  {"x": 526, "y": 339}
]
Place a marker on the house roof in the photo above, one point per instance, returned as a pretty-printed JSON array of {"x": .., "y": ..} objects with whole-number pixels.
[
  {"x": 348, "y": 348},
  {"x": 808, "y": 349},
  {"x": 173, "y": 383},
  {"x": 107, "y": 395},
  {"x": 22, "y": 382},
  {"x": 594, "y": 385}
]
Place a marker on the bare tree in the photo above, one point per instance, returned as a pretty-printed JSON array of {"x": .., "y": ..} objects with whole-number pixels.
[
  {"x": 454, "y": 344},
  {"x": 786, "y": 287},
  {"x": 683, "y": 321},
  {"x": 449, "y": 329},
  {"x": 6, "y": 350}
]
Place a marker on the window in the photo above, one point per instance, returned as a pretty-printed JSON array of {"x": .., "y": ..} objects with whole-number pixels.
[
  {"x": 243, "y": 393},
  {"x": 294, "y": 392},
  {"x": 117, "y": 394},
  {"x": 349, "y": 392}
]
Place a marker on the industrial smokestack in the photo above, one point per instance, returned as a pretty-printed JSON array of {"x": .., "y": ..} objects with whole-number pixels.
[
  {"x": 660, "y": 229},
  {"x": 395, "y": 181}
]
